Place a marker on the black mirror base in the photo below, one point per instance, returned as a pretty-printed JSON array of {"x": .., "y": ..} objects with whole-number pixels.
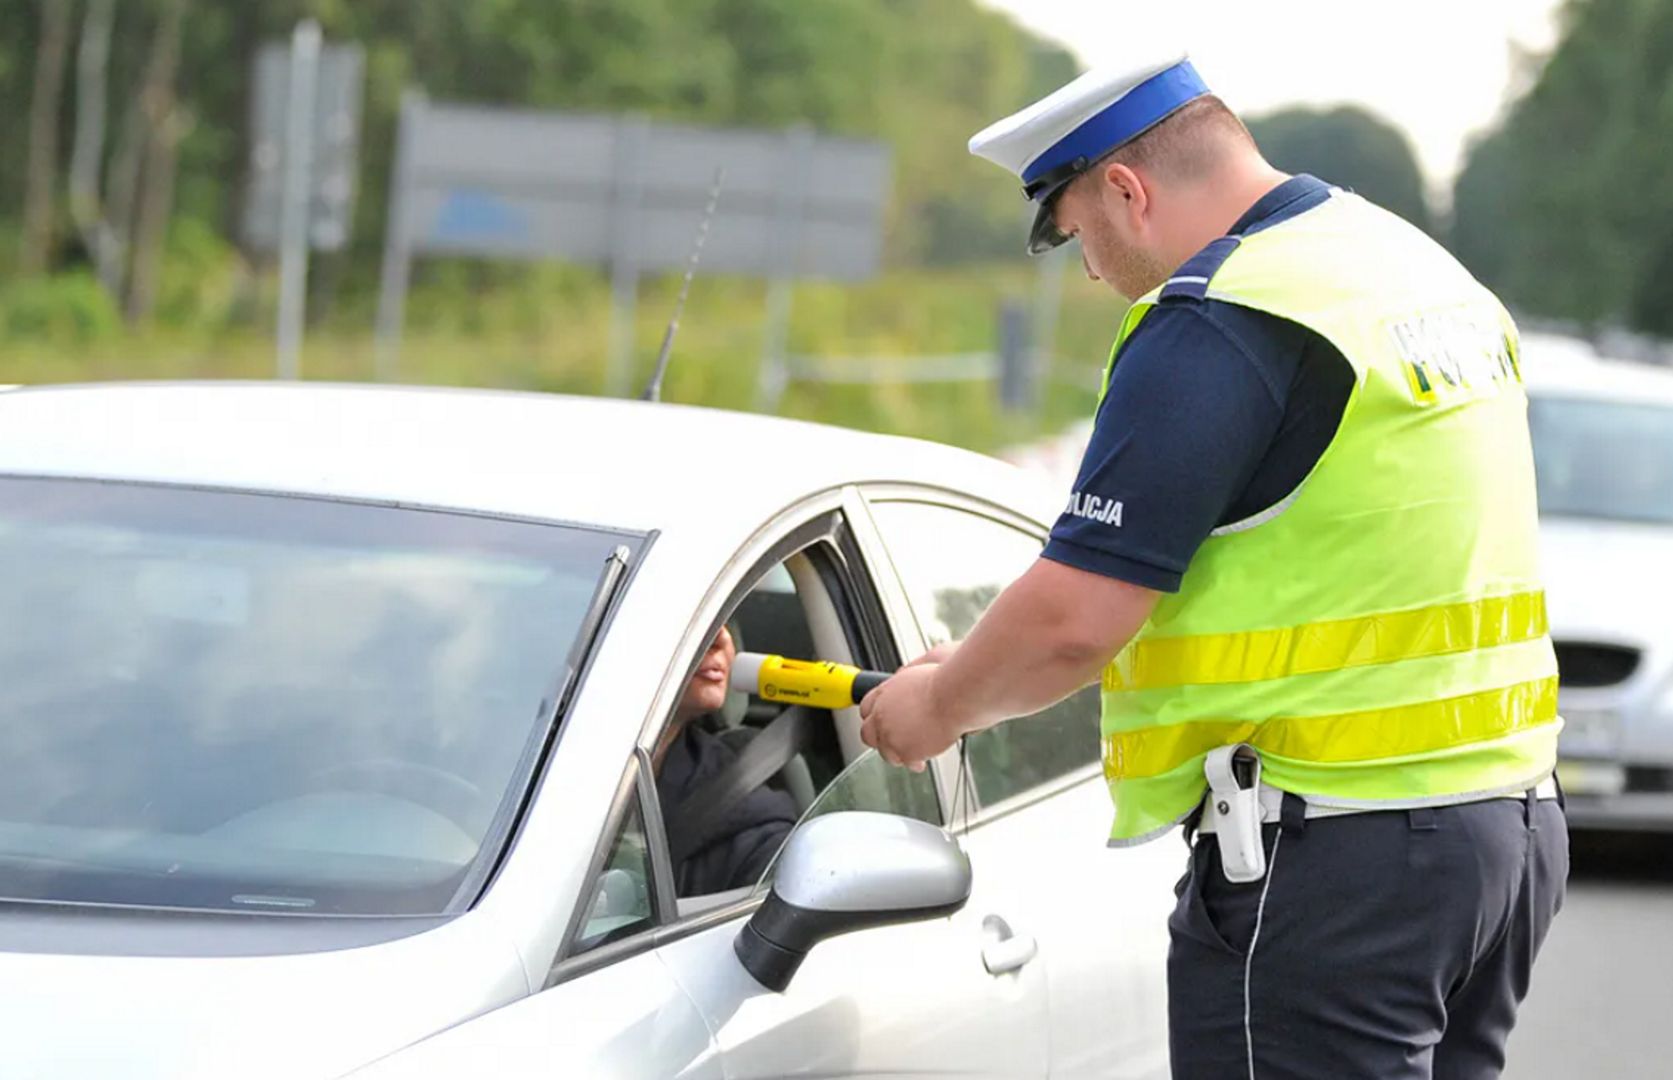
[{"x": 773, "y": 966}]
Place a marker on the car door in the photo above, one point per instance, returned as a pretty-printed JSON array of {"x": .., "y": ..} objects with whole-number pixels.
[
  {"x": 906, "y": 1000},
  {"x": 900, "y": 1001},
  {"x": 1041, "y": 814},
  {"x": 916, "y": 999}
]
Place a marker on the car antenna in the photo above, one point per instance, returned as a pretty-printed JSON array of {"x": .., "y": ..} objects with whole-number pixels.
[{"x": 653, "y": 390}]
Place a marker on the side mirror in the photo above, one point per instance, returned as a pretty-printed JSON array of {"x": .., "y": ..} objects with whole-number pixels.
[{"x": 845, "y": 872}]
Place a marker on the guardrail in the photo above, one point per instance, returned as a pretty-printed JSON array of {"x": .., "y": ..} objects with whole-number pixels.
[
  {"x": 953, "y": 367},
  {"x": 1015, "y": 365}
]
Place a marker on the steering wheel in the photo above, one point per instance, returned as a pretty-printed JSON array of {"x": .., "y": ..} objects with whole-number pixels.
[{"x": 447, "y": 793}]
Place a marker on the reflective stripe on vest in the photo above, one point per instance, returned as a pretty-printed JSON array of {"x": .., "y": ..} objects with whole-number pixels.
[
  {"x": 1400, "y": 732},
  {"x": 1328, "y": 646},
  {"x": 1383, "y": 638}
]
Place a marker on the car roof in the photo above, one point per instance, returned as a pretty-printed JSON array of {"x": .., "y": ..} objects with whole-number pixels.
[
  {"x": 1571, "y": 374},
  {"x": 624, "y": 464}
]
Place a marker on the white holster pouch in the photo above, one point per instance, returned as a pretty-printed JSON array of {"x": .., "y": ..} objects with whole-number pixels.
[{"x": 1234, "y": 781}]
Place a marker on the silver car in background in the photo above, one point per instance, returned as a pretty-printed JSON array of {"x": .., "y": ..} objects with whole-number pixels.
[
  {"x": 1603, "y": 447},
  {"x": 329, "y": 713}
]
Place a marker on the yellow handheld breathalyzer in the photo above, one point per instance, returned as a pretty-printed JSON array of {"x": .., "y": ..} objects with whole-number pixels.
[{"x": 818, "y": 684}]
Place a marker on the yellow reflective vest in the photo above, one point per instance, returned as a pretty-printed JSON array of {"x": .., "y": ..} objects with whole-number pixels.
[{"x": 1380, "y": 636}]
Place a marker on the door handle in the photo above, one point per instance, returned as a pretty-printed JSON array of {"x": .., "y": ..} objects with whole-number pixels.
[{"x": 1004, "y": 950}]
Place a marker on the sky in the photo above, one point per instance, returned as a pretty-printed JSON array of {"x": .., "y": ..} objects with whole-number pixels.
[{"x": 1440, "y": 69}]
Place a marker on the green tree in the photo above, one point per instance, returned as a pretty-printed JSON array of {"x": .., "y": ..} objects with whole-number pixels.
[
  {"x": 44, "y": 122},
  {"x": 1351, "y": 147},
  {"x": 1565, "y": 208},
  {"x": 922, "y": 75}
]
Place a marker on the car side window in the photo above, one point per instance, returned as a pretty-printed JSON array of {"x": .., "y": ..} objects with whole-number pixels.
[
  {"x": 736, "y": 771},
  {"x": 953, "y": 565},
  {"x": 621, "y": 903}
]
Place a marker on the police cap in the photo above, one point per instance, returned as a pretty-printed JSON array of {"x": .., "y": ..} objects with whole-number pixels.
[{"x": 1057, "y": 138}]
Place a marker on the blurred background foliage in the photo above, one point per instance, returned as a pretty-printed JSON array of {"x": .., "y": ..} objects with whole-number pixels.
[
  {"x": 921, "y": 74},
  {"x": 1352, "y": 147},
  {"x": 1563, "y": 207},
  {"x": 1567, "y": 207}
]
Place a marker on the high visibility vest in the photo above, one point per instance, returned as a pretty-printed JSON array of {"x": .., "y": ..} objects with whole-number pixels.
[{"x": 1380, "y": 636}]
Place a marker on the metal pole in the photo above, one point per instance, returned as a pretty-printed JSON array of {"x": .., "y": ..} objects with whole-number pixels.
[
  {"x": 296, "y": 214},
  {"x": 1048, "y": 309},
  {"x": 775, "y": 364},
  {"x": 792, "y": 208},
  {"x": 1016, "y": 383},
  {"x": 397, "y": 240},
  {"x": 632, "y": 135}
]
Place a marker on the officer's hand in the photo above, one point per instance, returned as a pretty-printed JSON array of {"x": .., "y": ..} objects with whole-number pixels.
[
  {"x": 940, "y": 654},
  {"x": 900, "y": 721}
]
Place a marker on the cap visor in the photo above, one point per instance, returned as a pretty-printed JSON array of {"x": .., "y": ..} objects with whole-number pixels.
[{"x": 1044, "y": 236}]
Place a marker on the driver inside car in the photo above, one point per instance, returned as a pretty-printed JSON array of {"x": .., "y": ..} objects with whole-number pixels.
[{"x": 737, "y": 851}]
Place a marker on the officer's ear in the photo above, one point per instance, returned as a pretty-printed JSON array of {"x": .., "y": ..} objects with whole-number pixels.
[{"x": 1126, "y": 196}]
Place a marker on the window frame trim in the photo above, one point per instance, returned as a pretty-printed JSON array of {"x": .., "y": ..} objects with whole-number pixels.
[
  {"x": 987, "y": 813},
  {"x": 629, "y": 793},
  {"x": 376, "y": 501},
  {"x": 948, "y": 498},
  {"x": 567, "y": 690},
  {"x": 972, "y": 812}
]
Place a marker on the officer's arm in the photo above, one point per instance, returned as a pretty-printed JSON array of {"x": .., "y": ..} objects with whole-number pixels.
[
  {"x": 1047, "y": 636},
  {"x": 1174, "y": 444}
]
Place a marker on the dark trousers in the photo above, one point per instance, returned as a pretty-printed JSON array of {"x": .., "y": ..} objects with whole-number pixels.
[{"x": 1385, "y": 946}]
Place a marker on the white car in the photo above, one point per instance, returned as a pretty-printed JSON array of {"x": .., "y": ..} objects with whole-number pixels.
[
  {"x": 1603, "y": 447},
  {"x": 329, "y": 718}
]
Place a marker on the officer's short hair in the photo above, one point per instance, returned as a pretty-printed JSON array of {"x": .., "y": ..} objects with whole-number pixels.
[{"x": 1187, "y": 145}]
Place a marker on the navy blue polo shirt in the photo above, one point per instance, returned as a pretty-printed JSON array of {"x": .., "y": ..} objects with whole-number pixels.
[{"x": 1215, "y": 414}]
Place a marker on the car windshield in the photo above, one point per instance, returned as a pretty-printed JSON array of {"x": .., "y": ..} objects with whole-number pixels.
[
  {"x": 240, "y": 702},
  {"x": 1604, "y": 459}
]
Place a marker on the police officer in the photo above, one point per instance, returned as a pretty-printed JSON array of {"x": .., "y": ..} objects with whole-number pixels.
[{"x": 1300, "y": 561}]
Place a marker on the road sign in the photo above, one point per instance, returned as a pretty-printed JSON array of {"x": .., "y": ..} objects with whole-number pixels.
[
  {"x": 533, "y": 185},
  {"x": 626, "y": 193},
  {"x": 333, "y": 147}
]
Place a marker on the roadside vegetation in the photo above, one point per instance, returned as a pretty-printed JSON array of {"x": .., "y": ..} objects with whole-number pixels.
[
  {"x": 122, "y": 252},
  {"x": 547, "y": 329}
]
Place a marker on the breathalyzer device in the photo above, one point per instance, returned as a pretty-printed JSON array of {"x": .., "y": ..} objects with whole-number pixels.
[{"x": 818, "y": 684}]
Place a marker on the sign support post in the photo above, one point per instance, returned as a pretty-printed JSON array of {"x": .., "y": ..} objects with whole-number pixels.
[
  {"x": 397, "y": 242},
  {"x": 295, "y": 218},
  {"x": 792, "y": 203},
  {"x": 1048, "y": 310},
  {"x": 632, "y": 136},
  {"x": 305, "y": 107}
]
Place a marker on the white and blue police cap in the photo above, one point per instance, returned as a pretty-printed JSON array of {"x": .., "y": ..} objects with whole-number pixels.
[{"x": 1060, "y": 136}]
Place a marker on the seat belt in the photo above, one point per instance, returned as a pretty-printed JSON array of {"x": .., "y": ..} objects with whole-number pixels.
[{"x": 790, "y": 733}]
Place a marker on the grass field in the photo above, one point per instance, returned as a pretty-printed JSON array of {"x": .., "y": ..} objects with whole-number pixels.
[{"x": 547, "y": 329}]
